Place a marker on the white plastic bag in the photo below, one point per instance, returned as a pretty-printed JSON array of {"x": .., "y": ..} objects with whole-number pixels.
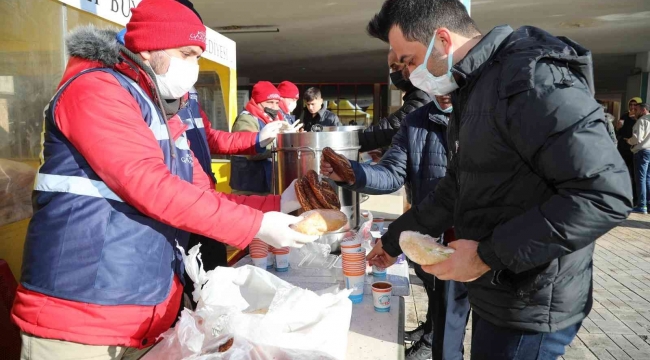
[
  {"x": 266, "y": 318},
  {"x": 16, "y": 185}
]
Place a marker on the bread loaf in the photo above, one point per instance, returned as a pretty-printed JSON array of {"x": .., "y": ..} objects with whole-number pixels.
[
  {"x": 340, "y": 164},
  {"x": 423, "y": 249},
  {"x": 302, "y": 195},
  {"x": 322, "y": 192},
  {"x": 319, "y": 222}
]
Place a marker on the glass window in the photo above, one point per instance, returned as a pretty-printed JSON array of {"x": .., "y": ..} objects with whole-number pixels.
[{"x": 31, "y": 66}]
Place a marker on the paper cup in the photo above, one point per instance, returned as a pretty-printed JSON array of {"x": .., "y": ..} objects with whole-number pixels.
[
  {"x": 356, "y": 283},
  {"x": 280, "y": 251},
  {"x": 352, "y": 249},
  {"x": 260, "y": 262},
  {"x": 377, "y": 224},
  {"x": 270, "y": 260},
  {"x": 282, "y": 262},
  {"x": 258, "y": 249},
  {"x": 354, "y": 270},
  {"x": 378, "y": 272},
  {"x": 381, "y": 293}
]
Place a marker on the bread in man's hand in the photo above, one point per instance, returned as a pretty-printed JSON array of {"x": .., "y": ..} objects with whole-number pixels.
[
  {"x": 423, "y": 249},
  {"x": 340, "y": 164},
  {"x": 319, "y": 222}
]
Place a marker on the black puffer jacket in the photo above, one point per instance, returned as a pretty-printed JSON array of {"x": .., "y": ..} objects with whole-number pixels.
[
  {"x": 533, "y": 176},
  {"x": 323, "y": 117},
  {"x": 380, "y": 136}
]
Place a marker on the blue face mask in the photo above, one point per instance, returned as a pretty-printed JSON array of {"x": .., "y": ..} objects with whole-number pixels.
[
  {"x": 435, "y": 85},
  {"x": 448, "y": 110}
]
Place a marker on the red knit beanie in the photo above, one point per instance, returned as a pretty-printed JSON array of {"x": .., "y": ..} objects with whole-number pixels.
[
  {"x": 163, "y": 24},
  {"x": 264, "y": 90},
  {"x": 288, "y": 90}
]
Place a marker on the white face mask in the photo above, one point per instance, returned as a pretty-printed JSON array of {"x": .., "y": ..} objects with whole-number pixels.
[
  {"x": 434, "y": 85},
  {"x": 179, "y": 79},
  {"x": 292, "y": 106}
]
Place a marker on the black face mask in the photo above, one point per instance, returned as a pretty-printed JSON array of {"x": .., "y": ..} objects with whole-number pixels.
[
  {"x": 271, "y": 112},
  {"x": 398, "y": 80}
]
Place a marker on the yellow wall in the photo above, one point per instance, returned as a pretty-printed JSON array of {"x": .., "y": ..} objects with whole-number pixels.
[{"x": 228, "y": 80}]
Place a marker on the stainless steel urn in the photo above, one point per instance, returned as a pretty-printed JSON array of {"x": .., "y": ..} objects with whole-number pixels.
[{"x": 297, "y": 153}]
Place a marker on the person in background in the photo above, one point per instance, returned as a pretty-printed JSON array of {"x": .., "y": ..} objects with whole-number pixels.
[
  {"x": 252, "y": 174},
  {"x": 380, "y": 136},
  {"x": 352, "y": 123},
  {"x": 532, "y": 181},
  {"x": 417, "y": 158},
  {"x": 102, "y": 274},
  {"x": 640, "y": 142},
  {"x": 624, "y": 131},
  {"x": 316, "y": 113},
  {"x": 609, "y": 121},
  {"x": 290, "y": 95}
]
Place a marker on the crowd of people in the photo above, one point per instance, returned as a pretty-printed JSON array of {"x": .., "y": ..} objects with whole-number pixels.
[{"x": 503, "y": 150}]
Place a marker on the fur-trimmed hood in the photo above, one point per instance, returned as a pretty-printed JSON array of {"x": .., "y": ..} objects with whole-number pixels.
[{"x": 91, "y": 43}]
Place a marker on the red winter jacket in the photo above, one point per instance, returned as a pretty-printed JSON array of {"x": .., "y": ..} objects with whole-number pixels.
[{"x": 103, "y": 121}]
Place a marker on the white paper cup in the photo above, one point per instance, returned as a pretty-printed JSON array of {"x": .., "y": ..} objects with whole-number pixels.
[
  {"x": 378, "y": 272},
  {"x": 270, "y": 260},
  {"x": 355, "y": 282},
  {"x": 381, "y": 294},
  {"x": 282, "y": 262},
  {"x": 377, "y": 224},
  {"x": 352, "y": 249},
  {"x": 260, "y": 262}
]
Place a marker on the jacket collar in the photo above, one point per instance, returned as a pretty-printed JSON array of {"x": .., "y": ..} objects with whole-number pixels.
[
  {"x": 470, "y": 66},
  {"x": 437, "y": 116}
]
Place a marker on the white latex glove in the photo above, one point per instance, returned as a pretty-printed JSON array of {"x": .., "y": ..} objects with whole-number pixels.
[
  {"x": 270, "y": 131},
  {"x": 276, "y": 232},
  {"x": 289, "y": 201}
]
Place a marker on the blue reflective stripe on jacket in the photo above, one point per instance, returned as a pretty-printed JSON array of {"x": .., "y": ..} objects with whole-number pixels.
[
  {"x": 190, "y": 115},
  {"x": 84, "y": 243}
]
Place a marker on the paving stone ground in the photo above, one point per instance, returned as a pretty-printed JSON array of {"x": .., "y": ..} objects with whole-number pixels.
[{"x": 618, "y": 327}]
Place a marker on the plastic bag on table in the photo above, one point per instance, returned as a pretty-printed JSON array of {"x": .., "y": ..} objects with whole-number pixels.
[
  {"x": 16, "y": 185},
  {"x": 266, "y": 318},
  {"x": 312, "y": 256}
]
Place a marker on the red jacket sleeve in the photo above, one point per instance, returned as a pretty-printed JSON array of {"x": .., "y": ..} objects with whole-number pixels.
[
  {"x": 104, "y": 123},
  {"x": 262, "y": 203},
  {"x": 226, "y": 143}
]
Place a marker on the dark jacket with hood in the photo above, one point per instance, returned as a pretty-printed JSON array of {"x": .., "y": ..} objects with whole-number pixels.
[
  {"x": 381, "y": 135},
  {"x": 533, "y": 176}
]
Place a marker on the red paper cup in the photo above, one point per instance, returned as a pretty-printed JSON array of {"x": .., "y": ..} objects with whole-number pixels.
[
  {"x": 258, "y": 249},
  {"x": 281, "y": 251},
  {"x": 354, "y": 273}
]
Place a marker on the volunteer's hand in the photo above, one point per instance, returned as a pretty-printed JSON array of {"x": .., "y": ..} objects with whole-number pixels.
[
  {"x": 289, "y": 201},
  {"x": 463, "y": 265},
  {"x": 276, "y": 232},
  {"x": 327, "y": 170},
  {"x": 270, "y": 131},
  {"x": 379, "y": 257}
]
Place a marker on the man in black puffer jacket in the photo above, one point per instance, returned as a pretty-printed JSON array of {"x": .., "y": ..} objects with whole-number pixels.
[
  {"x": 533, "y": 178},
  {"x": 380, "y": 136}
]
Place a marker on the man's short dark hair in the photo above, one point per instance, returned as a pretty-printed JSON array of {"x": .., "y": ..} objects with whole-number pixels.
[
  {"x": 418, "y": 19},
  {"x": 644, "y": 106},
  {"x": 312, "y": 94}
]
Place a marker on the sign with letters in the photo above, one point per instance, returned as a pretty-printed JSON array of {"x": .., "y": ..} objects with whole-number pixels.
[{"x": 219, "y": 48}]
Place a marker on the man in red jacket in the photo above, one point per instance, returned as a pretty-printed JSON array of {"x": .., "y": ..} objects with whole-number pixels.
[{"x": 119, "y": 189}]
